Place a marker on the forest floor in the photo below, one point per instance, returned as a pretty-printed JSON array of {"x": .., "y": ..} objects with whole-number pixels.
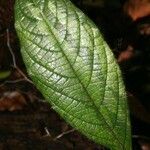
[{"x": 28, "y": 122}]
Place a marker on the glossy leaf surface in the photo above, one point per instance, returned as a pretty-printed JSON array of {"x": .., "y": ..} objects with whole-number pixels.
[{"x": 72, "y": 66}]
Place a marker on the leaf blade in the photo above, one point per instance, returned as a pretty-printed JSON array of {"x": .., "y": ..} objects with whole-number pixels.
[{"x": 70, "y": 62}]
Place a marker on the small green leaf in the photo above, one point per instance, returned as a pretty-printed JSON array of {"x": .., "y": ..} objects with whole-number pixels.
[
  {"x": 4, "y": 74},
  {"x": 71, "y": 64}
]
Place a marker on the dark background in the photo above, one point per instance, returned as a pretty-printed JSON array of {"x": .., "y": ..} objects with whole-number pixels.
[{"x": 28, "y": 122}]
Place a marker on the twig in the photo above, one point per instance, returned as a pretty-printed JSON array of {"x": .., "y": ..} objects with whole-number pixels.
[
  {"x": 140, "y": 137},
  {"x": 47, "y": 132},
  {"x": 62, "y": 134},
  {"x": 23, "y": 75},
  {"x": 14, "y": 59},
  {"x": 10, "y": 48},
  {"x": 12, "y": 82}
]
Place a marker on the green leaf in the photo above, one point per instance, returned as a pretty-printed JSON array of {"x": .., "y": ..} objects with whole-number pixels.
[
  {"x": 4, "y": 74},
  {"x": 71, "y": 64}
]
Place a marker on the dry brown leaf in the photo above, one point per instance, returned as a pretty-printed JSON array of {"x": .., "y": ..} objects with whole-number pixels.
[
  {"x": 144, "y": 145},
  {"x": 12, "y": 101},
  {"x": 126, "y": 55},
  {"x": 137, "y": 8}
]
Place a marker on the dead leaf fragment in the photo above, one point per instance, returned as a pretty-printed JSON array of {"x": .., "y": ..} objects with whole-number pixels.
[
  {"x": 126, "y": 54},
  {"x": 12, "y": 101},
  {"x": 137, "y": 8},
  {"x": 145, "y": 29},
  {"x": 144, "y": 145}
]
